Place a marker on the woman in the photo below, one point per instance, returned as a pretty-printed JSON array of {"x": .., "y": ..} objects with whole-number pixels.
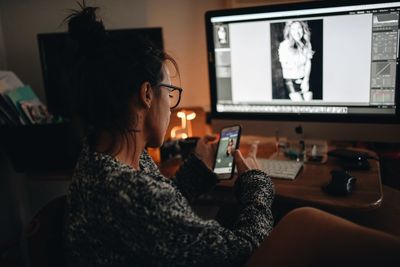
[
  {"x": 121, "y": 211},
  {"x": 295, "y": 54}
]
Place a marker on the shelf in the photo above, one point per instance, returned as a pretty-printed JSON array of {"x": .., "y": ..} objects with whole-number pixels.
[{"x": 35, "y": 148}]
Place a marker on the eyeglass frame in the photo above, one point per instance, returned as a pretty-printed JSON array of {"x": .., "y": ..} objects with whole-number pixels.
[{"x": 172, "y": 88}]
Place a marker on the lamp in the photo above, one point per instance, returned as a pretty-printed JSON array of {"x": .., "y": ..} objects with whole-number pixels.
[{"x": 185, "y": 129}]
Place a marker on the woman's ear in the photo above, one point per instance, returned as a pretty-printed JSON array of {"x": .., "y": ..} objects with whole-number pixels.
[{"x": 146, "y": 95}]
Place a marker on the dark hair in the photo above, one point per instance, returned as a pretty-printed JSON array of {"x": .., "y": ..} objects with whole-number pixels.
[{"x": 110, "y": 72}]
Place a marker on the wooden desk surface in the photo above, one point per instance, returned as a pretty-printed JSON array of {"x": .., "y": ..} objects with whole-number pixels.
[{"x": 306, "y": 188}]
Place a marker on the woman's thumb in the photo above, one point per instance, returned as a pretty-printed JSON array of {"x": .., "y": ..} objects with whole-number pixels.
[{"x": 239, "y": 161}]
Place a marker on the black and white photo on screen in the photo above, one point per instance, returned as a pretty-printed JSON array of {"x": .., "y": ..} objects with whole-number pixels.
[
  {"x": 221, "y": 32},
  {"x": 296, "y": 60}
]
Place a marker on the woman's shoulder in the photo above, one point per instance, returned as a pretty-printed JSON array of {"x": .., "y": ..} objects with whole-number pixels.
[
  {"x": 99, "y": 169},
  {"x": 147, "y": 163}
]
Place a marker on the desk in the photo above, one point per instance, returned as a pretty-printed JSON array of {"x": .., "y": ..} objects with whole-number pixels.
[
  {"x": 306, "y": 190},
  {"x": 371, "y": 204},
  {"x": 367, "y": 196}
]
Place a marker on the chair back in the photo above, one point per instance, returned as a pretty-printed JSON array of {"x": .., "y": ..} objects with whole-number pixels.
[{"x": 44, "y": 235}]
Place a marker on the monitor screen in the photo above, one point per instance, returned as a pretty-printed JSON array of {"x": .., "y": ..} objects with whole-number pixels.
[
  {"x": 58, "y": 56},
  {"x": 317, "y": 61}
]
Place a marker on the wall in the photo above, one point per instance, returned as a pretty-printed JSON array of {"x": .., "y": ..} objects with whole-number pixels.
[
  {"x": 184, "y": 36},
  {"x": 23, "y": 19},
  {"x": 3, "y": 59},
  {"x": 247, "y": 3},
  {"x": 182, "y": 22},
  {"x": 20, "y": 20},
  {"x": 13, "y": 194}
]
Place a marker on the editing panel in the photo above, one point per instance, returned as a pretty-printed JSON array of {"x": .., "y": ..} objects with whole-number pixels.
[{"x": 385, "y": 39}]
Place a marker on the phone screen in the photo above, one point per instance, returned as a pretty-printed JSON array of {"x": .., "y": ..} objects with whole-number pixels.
[{"x": 229, "y": 140}]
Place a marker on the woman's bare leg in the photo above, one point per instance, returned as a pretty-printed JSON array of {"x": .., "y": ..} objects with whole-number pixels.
[{"x": 311, "y": 237}]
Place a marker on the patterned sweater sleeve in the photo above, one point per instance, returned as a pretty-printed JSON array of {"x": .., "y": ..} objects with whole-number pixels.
[
  {"x": 159, "y": 225},
  {"x": 194, "y": 178}
]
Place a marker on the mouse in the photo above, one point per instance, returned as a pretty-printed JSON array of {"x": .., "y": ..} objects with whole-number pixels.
[{"x": 341, "y": 184}]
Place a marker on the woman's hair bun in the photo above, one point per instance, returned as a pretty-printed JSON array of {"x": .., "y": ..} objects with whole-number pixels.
[{"x": 86, "y": 29}]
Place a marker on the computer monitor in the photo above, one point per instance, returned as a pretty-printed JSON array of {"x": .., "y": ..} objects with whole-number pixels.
[
  {"x": 307, "y": 63},
  {"x": 58, "y": 56}
]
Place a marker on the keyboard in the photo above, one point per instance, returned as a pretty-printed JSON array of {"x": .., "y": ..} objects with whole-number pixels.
[{"x": 284, "y": 169}]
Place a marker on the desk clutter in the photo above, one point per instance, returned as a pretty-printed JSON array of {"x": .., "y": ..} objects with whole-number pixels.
[
  {"x": 33, "y": 139},
  {"x": 304, "y": 150},
  {"x": 179, "y": 148},
  {"x": 19, "y": 105},
  {"x": 185, "y": 127},
  {"x": 351, "y": 159},
  {"x": 341, "y": 183}
]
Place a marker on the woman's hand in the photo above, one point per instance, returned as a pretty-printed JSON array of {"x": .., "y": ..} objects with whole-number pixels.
[
  {"x": 205, "y": 150},
  {"x": 248, "y": 163}
]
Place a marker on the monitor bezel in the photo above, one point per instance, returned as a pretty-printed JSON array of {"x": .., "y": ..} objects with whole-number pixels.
[{"x": 359, "y": 118}]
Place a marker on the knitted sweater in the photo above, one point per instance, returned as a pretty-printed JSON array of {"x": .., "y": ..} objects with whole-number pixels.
[{"x": 118, "y": 216}]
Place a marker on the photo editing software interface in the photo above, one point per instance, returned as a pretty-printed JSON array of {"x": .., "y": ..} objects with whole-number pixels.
[{"x": 330, "y": 60}]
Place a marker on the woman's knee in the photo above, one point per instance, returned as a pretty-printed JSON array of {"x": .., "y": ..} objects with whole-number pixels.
[{"x": 303, "y": 215}]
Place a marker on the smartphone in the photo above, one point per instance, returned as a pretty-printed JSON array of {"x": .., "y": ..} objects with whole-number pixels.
[{"x": 224, "y": 165}]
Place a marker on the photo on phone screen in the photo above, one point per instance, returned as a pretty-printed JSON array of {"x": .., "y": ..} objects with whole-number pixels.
[{"x": 228, "y": 142}]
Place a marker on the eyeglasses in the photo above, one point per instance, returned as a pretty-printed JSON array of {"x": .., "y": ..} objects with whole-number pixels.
[{"x": 175, "y": 93}]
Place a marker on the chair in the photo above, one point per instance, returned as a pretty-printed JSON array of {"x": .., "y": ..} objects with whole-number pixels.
[{"x": 44, "y": 235}]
